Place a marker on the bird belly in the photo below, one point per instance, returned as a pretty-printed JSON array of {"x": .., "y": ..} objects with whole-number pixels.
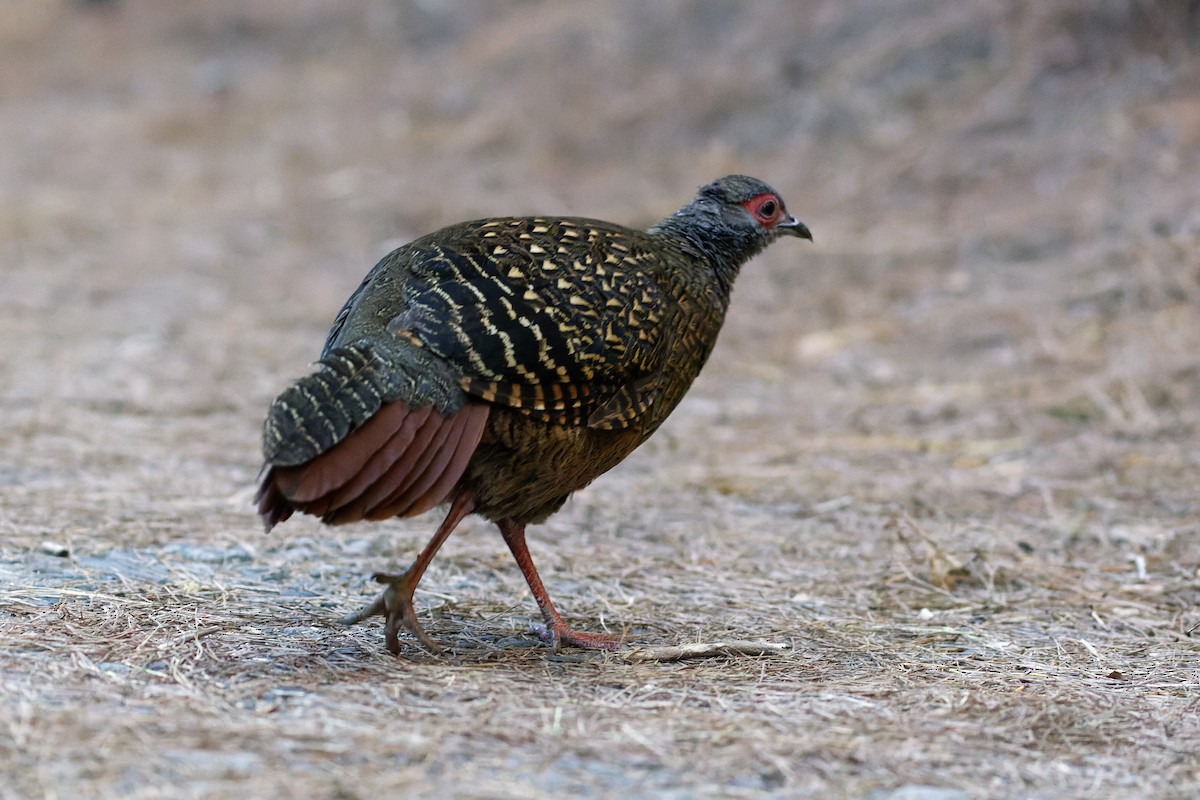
[{"x": 524, "y": 469}]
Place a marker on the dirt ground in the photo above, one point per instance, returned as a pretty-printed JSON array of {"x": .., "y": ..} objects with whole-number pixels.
[{"x": 947, "y": 454}]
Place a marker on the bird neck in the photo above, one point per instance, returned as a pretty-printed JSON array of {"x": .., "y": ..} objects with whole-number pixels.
[{"x": 725, "y": 250}]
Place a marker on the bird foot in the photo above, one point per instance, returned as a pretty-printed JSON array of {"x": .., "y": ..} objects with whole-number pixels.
[
  {"x": 558, "y": 634},
  {"x": 396, "y": 606}
]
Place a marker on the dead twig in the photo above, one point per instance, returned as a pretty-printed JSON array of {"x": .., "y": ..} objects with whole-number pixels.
[{"x": 683, "y": 652}]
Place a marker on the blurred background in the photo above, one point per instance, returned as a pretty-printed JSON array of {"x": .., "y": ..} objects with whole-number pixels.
[
  {"x": 188, "y": 191},
  {"x": 180, "y": 179},
  {"x": 995, "y": 332}
]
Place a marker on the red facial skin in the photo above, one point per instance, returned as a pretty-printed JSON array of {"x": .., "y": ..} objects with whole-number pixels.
[{"x": 767, "y": 209}]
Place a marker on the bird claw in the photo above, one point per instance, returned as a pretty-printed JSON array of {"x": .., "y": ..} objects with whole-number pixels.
[
  {"x": 395, "y": 605},
  {"x": 558, "y": 633}
]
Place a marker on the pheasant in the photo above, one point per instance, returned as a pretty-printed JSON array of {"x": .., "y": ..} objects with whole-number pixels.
[{"x": 499, "y": 365}]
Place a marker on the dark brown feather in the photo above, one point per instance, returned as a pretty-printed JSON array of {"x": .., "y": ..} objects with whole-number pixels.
[
  {"x": 327, "y": 472},
  {"x": 422, "y": 457},
  {"x": 408, "y": 472},
  {"x": 369, "y": 473},
  {"x": 400, "y": 474},
  {"x": 272, "y": 506},
  {"x": 475, "y": 422},
  {"x": 426, "y": 474}
]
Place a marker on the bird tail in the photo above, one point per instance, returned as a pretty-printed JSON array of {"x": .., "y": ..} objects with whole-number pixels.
[
  {"x": 367, "y": 436},
  {"x": 320, "y": 409}
]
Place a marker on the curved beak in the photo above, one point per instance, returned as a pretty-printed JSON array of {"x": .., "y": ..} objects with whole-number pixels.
[{"x": 794, "y": 227}]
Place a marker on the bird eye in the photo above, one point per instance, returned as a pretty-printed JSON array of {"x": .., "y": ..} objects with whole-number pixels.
[{"x": 765, "y": 209}]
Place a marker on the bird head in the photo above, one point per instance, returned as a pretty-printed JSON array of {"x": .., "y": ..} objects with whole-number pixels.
[
  {"x": 748, "y": 205},
  {"x": 735, "y": 217}
]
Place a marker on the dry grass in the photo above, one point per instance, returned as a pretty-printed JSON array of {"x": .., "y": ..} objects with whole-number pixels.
[{"x": 947, "y": 456}]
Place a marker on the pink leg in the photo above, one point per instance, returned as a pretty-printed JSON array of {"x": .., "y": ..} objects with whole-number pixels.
[
  {"x": 556, "y": 631},
  {"x": 396, "y": 602}
]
